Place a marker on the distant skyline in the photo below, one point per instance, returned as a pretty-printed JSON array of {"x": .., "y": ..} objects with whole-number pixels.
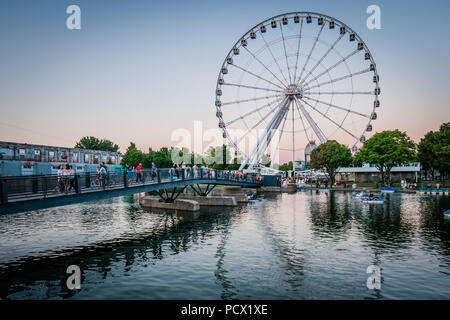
[{"x": 138, "y": 70}]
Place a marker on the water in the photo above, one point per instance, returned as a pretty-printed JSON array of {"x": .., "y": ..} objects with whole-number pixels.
[{"x": 289, "y": 246}]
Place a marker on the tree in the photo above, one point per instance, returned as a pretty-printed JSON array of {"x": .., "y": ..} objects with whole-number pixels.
[
  {"x": 93, "y": 143},
  {"x": 330, "y": 156},
  {"x": 132, "y": 156},
  {"x": 286, "y": 166},
  {"x": 385, "y": 150},
  {"x": 218, "y": 157},
  {"x": 434, "y": 151},
  {"x": 425, "y": 153}
]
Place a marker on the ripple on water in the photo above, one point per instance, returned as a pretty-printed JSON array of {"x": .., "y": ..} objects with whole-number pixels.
[{"x": 289, "y": 246}]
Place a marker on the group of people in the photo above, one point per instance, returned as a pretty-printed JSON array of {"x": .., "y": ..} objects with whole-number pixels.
[
  {"x": 407, "y": 185},
  {"x": 66, "y": 178},
  {"x": 136, "y": 173}
]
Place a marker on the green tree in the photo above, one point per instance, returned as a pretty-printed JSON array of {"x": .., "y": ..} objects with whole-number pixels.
[
  {"x": 286, "y": 166},
  {"x": 385, "y": 150},
  {"x": 218, "y": 157},
  {"x": 434, "y": 151},
  {"x": 132, "y": 156},
  {"x": 93, "y": 143},
  {"x": 425, "y": 152},
  {"x": 330, "y": 156}
]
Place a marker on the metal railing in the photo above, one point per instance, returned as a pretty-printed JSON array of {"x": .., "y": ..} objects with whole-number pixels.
[{"x": 44, "y": 186}]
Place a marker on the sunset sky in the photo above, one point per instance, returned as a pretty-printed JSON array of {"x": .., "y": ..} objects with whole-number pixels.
[{"x": 138, "y": 70}]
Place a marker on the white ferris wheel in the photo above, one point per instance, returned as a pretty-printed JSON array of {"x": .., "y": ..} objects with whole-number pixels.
[{"x": 293, "y": 80}]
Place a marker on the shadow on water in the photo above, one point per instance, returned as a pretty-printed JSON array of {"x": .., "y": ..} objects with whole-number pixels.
[{"x": 173, "y": 232}]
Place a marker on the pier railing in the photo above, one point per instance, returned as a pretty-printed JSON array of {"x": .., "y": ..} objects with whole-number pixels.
[{"x": 44, "y": 186}]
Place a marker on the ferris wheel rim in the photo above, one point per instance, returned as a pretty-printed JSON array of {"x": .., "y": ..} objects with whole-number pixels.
[{"x": 302, "y": 15}]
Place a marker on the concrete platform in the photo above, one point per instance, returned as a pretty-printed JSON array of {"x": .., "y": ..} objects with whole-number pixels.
[
  {"x": 150, "y": 202},
  {"x": 236, "y": 192},
  {"x": 269, "y": 189},
  {"x": 219, "y": 201}
]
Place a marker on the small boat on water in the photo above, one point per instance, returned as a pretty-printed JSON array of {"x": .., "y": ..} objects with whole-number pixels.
[
  {"x": 325, "y": 189},
  {"x": 447, "y": 214},
  {"x": 301, "y": 188},
  {"x": 359, "y": 195},
  {"x": 447, "y": 192},
  {"x": 375, "y": 201},
  {"x": 254, "y": 198},
  {"x": 423, "y": 191},
  {"x": 437, "y": 192},
  {"x": 388, "y": 190}
]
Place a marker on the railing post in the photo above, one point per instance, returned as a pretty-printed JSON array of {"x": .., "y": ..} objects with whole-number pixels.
[
  {"x": 77, "y": 183},
  {"x": 34, "y": 184},
  {"x": 125, "y": 178},
  {"x": 88, "y": 180},
  {"x": 158, "y": 174},
  {"x": 3, "y": 191},
  {"x": 183, "y": 174},
  {"x": 143, "y": 176},
  {"x": 201, "y": 173}
]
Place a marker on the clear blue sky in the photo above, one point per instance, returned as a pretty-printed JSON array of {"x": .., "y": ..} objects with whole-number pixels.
[{"x": 139, "y": 69}]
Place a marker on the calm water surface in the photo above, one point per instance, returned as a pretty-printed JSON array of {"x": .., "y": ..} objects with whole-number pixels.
[{"x": 289, "y": 246}]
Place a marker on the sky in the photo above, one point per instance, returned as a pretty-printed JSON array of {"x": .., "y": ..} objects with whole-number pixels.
[{"x": 138, "y": 70}]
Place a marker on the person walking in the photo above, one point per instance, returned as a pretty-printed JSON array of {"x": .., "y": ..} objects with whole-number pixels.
[
  {"x": 154, "y": 168},
  {"x": 139, "y": 173}
]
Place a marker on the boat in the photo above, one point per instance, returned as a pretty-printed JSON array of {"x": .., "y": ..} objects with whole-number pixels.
[
  {"x": 436, "y": 192},
  {"x": 447, "y": 192},
  {"x": 301, "y": 188},
  {"x": 358, "y": 195},
  {"x": 423, "y": 191},
  {"x": 367, "y": 200},
  {"x": 447, "y": 214},
  {"x": 325, "y": 189},
  {"x": 388, "y": 190}
]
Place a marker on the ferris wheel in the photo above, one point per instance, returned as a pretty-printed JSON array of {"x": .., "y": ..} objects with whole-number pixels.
[{"x": 293, "y": 80}]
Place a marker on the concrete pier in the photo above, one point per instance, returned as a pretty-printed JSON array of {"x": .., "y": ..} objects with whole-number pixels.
[
  {"x": 236, "y": 192},
  {"x": 150, "y": 202},
  {"x": 269, "y": 189},
  {"x": 219, "y": 201}
]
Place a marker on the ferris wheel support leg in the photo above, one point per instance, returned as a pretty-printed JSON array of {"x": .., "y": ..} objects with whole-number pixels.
[
  {"x": 311, "y": 122},
  {"x": 263, "y": 142}
]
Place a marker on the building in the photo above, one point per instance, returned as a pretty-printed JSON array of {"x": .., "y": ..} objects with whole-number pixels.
[
  {"x": 369, "y": 173},
  {"x": 302, "y": 165},
  {"x": 22, "y": 159}
]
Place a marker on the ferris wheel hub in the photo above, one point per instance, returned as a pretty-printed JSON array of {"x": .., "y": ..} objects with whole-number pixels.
[{"x": 294, "y": 90}]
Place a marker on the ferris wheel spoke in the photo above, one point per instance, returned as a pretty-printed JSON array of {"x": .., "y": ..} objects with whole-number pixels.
[
  {"x": 257, "y": 76},
  {"x": 259, "y": 122},
  {"x": 332, "y": 67},
  {"x": 266, "y": 137},
  {"x": 341, "y": 78},
  {"x": 310, "y": 53},
  {"x": 251, "y": 99},
  {"x": 302, "y": 121},
  {"x": 312, "y": 123},
  {"x": 250, "y": 87},
  {"x": 252, "y": 112},
  {"x": 298, "y": 49},
  {"x": 331, "y": 120},
  {"x": 274, "y": 59},
  {"x": 281, "y": 132},
  {"x": 285, "y": 53},
  {"x": 338, "y": 107},
  {"x": 321, "y": 59},
  {"x": 338, "y": 92},
  {"x": 265, "y": 67}
]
